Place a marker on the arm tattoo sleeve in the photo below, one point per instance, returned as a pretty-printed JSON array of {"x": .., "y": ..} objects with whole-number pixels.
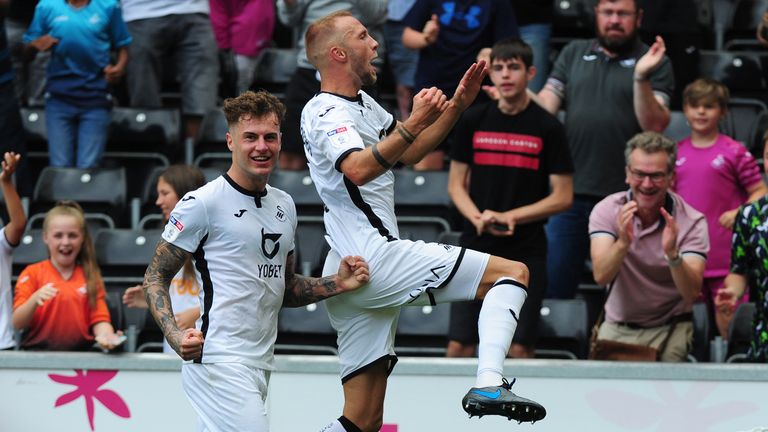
[
  {"x": 301, "y": 290},
  {"x": 165, "y": 264}
]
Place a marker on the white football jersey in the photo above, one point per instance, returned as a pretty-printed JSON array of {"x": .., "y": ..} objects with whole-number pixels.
[
  {"x": 358, "y": 219},
  {"x": 239, "y": 243}
]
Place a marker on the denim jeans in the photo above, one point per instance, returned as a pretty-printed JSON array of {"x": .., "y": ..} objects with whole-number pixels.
[
  {"x": 537, "y": 36},
  {"x": 568, "y": 247},
  {"x": 76, "y": 135}
]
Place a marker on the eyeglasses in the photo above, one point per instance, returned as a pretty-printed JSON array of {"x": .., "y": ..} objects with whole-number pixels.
[
  {"x": 607, "y": 13},
  {"x": 640, "y": 176}
]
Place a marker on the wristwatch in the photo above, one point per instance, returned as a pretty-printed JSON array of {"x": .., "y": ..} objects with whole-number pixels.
[{"x": 674, "y": 262}]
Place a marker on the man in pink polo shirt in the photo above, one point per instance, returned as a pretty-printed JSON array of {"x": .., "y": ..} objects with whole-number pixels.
[{"x": 651, "y": 246}]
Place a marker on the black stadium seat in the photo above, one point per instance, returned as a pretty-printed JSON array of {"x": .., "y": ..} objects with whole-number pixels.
[
  {"x": 125, "y": 253},
  {"x": 741, "y": 72},
  {"x": 145, "y": 130},
  {"x": 98, "y": 190},
  {"x": 563, "y": 329}
]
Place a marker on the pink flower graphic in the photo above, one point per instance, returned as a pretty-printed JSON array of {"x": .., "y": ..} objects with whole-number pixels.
[
  {"x": 88, "y": 383},
  {"x": 388, "y": 428},
  {"x": 667, "y": 410}
]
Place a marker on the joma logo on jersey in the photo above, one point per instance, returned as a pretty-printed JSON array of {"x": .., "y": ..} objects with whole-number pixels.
[
  {"x": 280, "y": 214},
  {"x": 270, "y": 270},
  {"x": 271, "y": 239}
]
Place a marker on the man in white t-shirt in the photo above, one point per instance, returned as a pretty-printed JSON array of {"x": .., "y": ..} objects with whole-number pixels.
[
  {"x": 351, "y": 143},
  {"x": 239, "y": 232}
]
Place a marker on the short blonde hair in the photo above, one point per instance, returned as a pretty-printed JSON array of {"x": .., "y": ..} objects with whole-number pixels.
[{"x": 320, "y": 33}]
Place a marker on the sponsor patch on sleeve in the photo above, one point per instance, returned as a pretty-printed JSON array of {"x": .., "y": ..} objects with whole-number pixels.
[
  {"x": 338, "y": 136},
  {"x": 172, "y": 229}
]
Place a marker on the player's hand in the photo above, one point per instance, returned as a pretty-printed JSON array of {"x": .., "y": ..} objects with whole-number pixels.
[
  {"x": 186, "y": 318},
  {"x": 45, "y": 293},
  {"x": 652, "y": 59},
  {"x": 625, "y": 221},
  {"x": 727, "y": 219},
  {"x": 353, "y": 273},
  {"x": 470, "y": 85},
  {"x": 10, "y": 159},
  {"x": 190, "y": 345},
  {"x": 113, "y": 73},
  {"x": 431, "y": 30},
  {"x": 109, "y": 341},
  {"x": 133, "y": 297},
  {"x": 44, "y": 42},
  {"x": 428, "y": 104},
  {"x": 669, "y": 235}
]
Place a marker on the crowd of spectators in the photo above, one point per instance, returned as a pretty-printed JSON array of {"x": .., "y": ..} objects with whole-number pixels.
[{"x": 79, "y": 58}]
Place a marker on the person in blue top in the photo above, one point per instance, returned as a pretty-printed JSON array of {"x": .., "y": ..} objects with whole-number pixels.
[{"x": 80, "y": 35}]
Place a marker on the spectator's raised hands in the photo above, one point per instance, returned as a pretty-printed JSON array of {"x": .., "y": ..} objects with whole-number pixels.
[
  {"x": 625, "y": 222},
  {"x": 431, "y": 30},
  {"x": 669, "y": 235},
  {"x": 45, "y": 293},
  {"x": 10, "y": 159},
  {"x": 651, "y": 60}
]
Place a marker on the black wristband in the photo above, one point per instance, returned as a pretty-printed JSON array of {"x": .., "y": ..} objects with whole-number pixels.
[
  {"x": 379, "y": 158},
  {"x": 406, "y": 134}
]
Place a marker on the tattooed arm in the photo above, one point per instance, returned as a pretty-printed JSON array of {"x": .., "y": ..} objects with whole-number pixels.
[
  {"x": 301, "y": 290},
  {"x": 165, "y": 264}
]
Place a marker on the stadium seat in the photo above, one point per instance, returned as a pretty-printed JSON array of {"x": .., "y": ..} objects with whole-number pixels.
[
  {"x": 742, "y": 121},
  {"x": 423, "y": 330},
  {"x": 426, "y": 228},
  {"x": 422, "y": 193},
  {"x": 299, "y": 185},
  {"x": 741, "y": 72},
  {"x": 305, "y": 329},
  {"x": 311, "y": 247},
  {"x": 124, "y": 254},
  {"x": 702, "y": 333},
  {"x": 97, "y": 190},
  {"x": 563, "y": 329},
  {"x": 746, "y": 18},
  {"x": 740, "y": 333},
  {"x": 115, "y": 306},
  {"x": 450, "y": 237},
  {"x": 212, "y": 136},
  {"x": 31, "y": 249},
  {"x": 678, "y": 127},
  {"x": 33, "y": 120},
  {"x": 723, "y": 12},
  {"x": 274, "y": 69},
  {"x": 145, "y": 130},
  {"x": 573, "y": 18}
]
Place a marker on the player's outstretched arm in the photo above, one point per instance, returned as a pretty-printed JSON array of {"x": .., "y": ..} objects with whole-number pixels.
[
  {"x": 301, "y": 290},
  {"x": 165, "y": 264}
]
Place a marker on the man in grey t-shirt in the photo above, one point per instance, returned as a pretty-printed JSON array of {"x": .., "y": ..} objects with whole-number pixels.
[{"x": 611, "y": 88}]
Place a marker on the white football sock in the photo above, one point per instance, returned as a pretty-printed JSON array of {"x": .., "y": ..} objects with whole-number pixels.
[{"x": 496, "y": 327}]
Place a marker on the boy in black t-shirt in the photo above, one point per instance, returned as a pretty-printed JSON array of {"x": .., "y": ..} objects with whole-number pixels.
[{"x": 510, "y": 170}]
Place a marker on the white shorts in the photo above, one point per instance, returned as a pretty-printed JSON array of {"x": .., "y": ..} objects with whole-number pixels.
[
  {"x": 406, "y": 273},
  {"x": 227, "y": 396}
]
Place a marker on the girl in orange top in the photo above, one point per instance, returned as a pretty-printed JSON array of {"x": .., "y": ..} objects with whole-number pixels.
[{"x": 60, "y": 302}]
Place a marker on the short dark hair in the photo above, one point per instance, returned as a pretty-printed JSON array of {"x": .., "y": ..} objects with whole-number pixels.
[
  {"x": 253, "y": 104},
  {"x": 512, "y": 48}
]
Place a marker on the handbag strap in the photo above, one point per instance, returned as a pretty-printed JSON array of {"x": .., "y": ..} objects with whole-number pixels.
[{"x": 601, "y": 318}]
